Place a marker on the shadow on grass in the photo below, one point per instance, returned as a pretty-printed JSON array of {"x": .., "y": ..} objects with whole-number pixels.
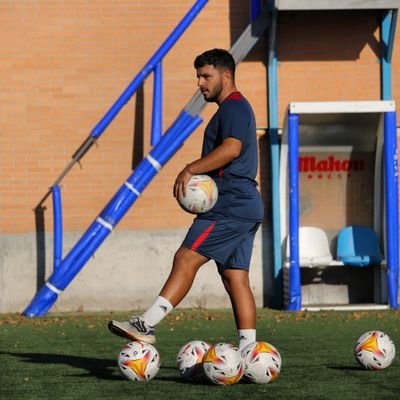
[
  {"x": 345, "y": 367},
  {"x": 100, "y": 368},
  {"x": 178, "y": 379},
  {"x": 201, "y": 382},
  {"x": 96, "y": 367}
]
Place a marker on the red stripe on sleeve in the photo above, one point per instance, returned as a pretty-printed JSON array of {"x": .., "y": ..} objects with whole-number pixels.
[{"x": 202, "y": 237}]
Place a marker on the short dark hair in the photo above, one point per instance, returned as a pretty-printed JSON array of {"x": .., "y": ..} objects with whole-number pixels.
[{"x": 219, "y": 58}]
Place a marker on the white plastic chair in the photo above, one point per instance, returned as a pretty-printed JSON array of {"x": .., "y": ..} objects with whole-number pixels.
[{"x": 314, "y": 248}]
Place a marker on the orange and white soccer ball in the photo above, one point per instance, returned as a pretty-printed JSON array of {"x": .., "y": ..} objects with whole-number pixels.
[
  {"x": 375, "y": 350},
  {"x": 190, "y": 360},
  {"x": 223, "y": 364},
  {"x": 139, "y": 361},
  {"x": 262, "y": 362},
  {"x": 201, "y": 195}
]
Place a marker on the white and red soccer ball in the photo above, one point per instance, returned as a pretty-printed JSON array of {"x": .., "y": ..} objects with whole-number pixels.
[
  {"x": 201, "y": 195},
  {"x": 189, "y": 360},
  {"x": 262, "y": 362},
  {"x": 375, "y": 350},
  {"x": 223, "y": 364},
  {"x": 139, "y": 361}
]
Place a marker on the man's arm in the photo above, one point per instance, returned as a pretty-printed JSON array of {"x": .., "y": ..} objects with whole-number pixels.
[{"x": 220, "y": 156}]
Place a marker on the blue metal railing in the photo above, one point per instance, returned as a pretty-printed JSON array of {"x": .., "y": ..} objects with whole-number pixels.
[
  {"x": 156, "y": 123},
  {"x": 164, "y": 148},
  {"x": 58, "y": 227}
]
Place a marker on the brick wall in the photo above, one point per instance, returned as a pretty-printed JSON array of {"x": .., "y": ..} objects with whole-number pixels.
[
  {"x": 64, "y": 63},
  {"x": 329, "y": 56}
]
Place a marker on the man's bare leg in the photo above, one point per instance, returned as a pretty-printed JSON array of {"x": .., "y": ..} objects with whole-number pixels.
[
  {"x": 184, "y": 269},
  {"x": 237, "y": 285}
]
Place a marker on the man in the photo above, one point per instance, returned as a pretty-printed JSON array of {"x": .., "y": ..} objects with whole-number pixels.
[{"x": 225, "y": 234}]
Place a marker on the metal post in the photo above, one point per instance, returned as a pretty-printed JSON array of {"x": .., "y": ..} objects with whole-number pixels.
[
  {"x": 392, "y": 210},
  {"x": 294, "y": 271},
  {"x": 156, "y": 126},
  {"x": 255, "y": 9},
  {"x": 57, "y": 226},
  {"x": 273, "y": 124},
  {"x": 388, "y": 29}
]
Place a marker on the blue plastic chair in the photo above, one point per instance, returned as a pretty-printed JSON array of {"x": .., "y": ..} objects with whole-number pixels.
[{"x": 358, "y": 246}]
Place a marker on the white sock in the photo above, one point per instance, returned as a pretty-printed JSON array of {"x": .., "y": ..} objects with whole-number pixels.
[
  {"x": 158, "y": 311},
  {"x": 246, "y": 336}
]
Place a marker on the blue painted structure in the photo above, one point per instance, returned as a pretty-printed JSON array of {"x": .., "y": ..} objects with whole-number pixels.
[
  {"x": 58, "y": 226},
  {"x": 156, "y": 125},
  {"x": 294, "y": 303},
  {"x": 392, "y": 211},
  {"x": 128, "y": 193}
]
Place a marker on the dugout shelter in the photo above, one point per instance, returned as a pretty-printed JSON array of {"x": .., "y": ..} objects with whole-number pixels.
[{"x": 339, "y": 205}]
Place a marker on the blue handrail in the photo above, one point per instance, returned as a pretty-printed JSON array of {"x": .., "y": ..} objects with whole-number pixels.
[
  {"x": 156, "y": 123},
  {"x": 57, "y": 226}
]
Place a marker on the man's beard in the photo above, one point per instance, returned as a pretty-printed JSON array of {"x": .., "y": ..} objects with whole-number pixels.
[{"x": 214, "y": 95}]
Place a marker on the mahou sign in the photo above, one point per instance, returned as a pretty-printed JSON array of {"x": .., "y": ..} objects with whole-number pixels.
[{"x": 331, "y": 164}]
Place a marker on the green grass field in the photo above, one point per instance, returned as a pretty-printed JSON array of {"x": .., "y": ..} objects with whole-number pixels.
[{"x": 74, "y": 357}]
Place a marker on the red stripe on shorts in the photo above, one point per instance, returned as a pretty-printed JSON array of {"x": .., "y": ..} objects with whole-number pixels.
[{"x": 202, "y": 237}]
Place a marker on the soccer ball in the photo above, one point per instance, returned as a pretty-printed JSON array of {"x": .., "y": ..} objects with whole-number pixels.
[
  {"x": 189, "y": 360},
  {"x": 375, "y": 350},
  {"x": 223, "y": 364},
  {"x": 262, "y": 362},
  {"x": 139, "y": 361},
  {"x": 201, "y": 195}
]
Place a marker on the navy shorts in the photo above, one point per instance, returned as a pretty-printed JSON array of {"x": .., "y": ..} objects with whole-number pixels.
[{"x": 227, "y": 241}]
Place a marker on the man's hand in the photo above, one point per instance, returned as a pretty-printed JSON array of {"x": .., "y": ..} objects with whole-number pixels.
[
  {"x": 226, "y": 152},
  {"x": 181, "y": 182}
]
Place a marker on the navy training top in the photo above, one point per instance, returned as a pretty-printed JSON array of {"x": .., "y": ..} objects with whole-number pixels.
[{"x": 238, "y": 196}]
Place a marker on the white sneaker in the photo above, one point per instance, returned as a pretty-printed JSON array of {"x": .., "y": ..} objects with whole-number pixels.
[{"x": 135, "y": 329}]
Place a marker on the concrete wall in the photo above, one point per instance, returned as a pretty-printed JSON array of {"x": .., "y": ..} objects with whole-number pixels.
[{"x": 126, "y": 273}]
